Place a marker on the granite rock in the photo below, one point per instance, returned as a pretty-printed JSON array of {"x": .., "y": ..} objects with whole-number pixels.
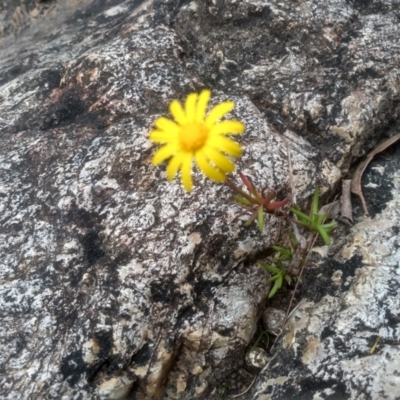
[
  {"x": 342, "y": 341},
  {"x": 114, "y": 283}
]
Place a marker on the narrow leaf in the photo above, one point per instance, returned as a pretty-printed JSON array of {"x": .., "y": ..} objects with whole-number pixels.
[
  {"x": 323, "y": 234},
  {"x": 248, "y": 183},
  {"x": 302, "y": 223},
  {"x": 251, "y": 219},
  {"x": 239, "y": 191},
  {"x": 276, "y": 205},
  {"x": 273, "y": 278},
  {"x": 242, "y": 200},
  {"x": 301, "y": 215},
  {"x": 269, "y": 268},
  {"x": 323, "y": 216},
  {"x": 274, "y": 289},
  {"x": 282, "y": 250},
  {"x": 330, "y": 225},
  {"x": 280, "y": 280},
  {"x": 293, "y": 240},
  {"x": 314, "y": 205},
  {"x": 261, "y": 218},
  {"x": 269, "y": 197}
]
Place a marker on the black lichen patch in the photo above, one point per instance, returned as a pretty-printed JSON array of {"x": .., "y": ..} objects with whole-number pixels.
[
  {"x": 310, "y": 386},
  {"x": 64, "y": 112},
  {"x": 107, "y": 363},
  {"x": 92, "y": 247},
  {"x": 306, "y": 388},
  {"x": 326, "y": 332},
  {"x": 105, "y": 341},
  {"x": 350, "y": 266},
  {"x": 162, "y": 291},
  {"x": 72, "y": 367},
  {"x": 97, "y": 370},
  {"x": 82, "y": 218},
  {"x": 142, "y": 356},
  {"x": 392, "y": 318},
  {"x": 49, "y": 79},
  {"x": 317, "y": 281}
]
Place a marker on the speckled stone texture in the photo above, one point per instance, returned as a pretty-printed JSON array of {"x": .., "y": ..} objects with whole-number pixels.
[
  {"x": 343, "y": 341},
  {"x": 327, "y": 69},
  {"x": 114, "y": 283}
]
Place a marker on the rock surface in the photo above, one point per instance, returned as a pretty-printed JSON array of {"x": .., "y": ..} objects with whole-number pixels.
[
  {"x": 114, "y": 283},
  {"x": 343, "y": 340}
]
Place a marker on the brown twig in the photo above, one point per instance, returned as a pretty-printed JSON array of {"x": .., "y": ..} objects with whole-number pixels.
[
  {"x": 244, "y": 392},
  {"x": 357, "y": 175}
]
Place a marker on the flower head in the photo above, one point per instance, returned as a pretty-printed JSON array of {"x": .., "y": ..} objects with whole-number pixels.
[{"x": 195, "y": 135}]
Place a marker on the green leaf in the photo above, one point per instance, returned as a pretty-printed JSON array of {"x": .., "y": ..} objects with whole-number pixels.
[
  {"x": 315, "y": 221},
  {"x": 249, "y": 185},
  {"x": 302, "y": 223},
  {"x": 314, "y": 204},
  {"x": 277, "y": 285},
  {"x": 282, "y": 250},
  {"x": 293, "y": 240},
  {"x": 330, "y": 226},
  {"x": 269, "y": 268},
  {"x": 323, "y": 217},
  {"x": 324, "y": 234},
  {"x": 280, "y": 280},
  {"x": 286, "y": 254},
  {"x": 273, "y": 278},
  {"x": 261, "y": 218},
  {"x": 251, "y": 219},
  {"x": 300, "y": 215},
  {"x": 242, "y": 200}
]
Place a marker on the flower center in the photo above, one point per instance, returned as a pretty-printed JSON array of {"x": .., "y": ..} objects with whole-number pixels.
[{"x": 193, "y": 136}]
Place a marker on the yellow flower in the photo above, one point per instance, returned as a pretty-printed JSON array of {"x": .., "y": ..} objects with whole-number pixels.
[{"x": 197, "y": 136}]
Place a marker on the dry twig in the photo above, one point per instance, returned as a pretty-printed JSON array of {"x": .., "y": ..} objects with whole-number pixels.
[{"x": 357, "y": 175}]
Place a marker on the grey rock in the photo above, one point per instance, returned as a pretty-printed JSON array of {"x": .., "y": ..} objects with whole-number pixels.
[
  {"x": 256, "y": 358},
  {"x": 342, "y": 341},
  {"x": 272, "y": 319},
  {"x": 114, "y": 283},
  {"x": 327, "y": 69}
]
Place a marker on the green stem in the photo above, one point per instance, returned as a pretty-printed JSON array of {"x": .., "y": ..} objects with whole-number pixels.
[{"x": 232, "y": 186}]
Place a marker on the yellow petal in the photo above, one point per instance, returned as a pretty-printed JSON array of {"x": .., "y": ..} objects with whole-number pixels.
[
  {"x": 164, "y": 124},
  {"x": 226, "y": 145},
  {"x": 218, "y": 112},
  {"x": 222, "y": 162},
  {"x": 160, "y": 137},
  {"x": 165, "y": 152},
  {"x": 207, "y": 169},
  {"x": 227, "y": 128},
  {"x": 177, "y": 112},
  {"x": 174, "y": 166},
  {"x": 186, "y": 171},
  {"x": 190, "y": 107},
  {"x": 202, "y": 104}
]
